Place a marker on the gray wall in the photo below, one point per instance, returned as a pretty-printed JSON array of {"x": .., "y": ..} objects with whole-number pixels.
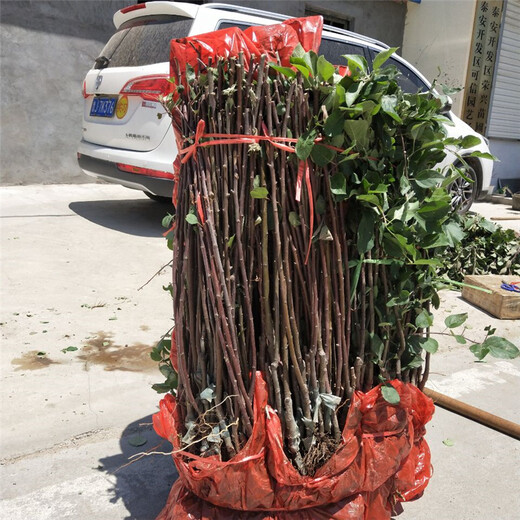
[
  {"x": 380, "y": 19},
  {"x": 46, "y": 49},
  {"x": 508, "y": 152},
  {"x": 47, "y": 46}
]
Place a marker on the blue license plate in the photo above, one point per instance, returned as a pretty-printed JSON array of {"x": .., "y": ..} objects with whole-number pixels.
[{"x": 103, "y": 106}]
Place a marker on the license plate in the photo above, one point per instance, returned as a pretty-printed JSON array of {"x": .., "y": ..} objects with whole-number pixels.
[{"x": 103, "y": 106}]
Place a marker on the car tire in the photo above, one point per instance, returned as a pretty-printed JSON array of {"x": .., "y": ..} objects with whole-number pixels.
[
  {"x": 464, "y": 193},
  {"x": 158, "y": 198}
]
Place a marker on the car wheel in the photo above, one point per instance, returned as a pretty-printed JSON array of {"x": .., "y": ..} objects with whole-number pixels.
[
  {"x": 463, "y": 192},
  {"x": 158, "y": 198}
]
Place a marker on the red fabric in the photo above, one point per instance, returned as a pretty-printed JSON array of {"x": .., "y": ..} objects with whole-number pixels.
[{"x": 382, "y": 459}]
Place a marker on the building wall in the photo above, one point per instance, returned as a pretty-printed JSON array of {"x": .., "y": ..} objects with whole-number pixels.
[
  {"x": 380, "y": 19},
  {"x": 437, "y": 40},
  {"x": 46, "y": 49}
]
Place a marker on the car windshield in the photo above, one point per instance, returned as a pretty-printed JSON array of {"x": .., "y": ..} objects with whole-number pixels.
[{"x": 143, "y": 41}]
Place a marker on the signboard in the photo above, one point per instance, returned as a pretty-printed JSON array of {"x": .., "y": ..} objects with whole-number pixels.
[{"x": 481, "y": 66}]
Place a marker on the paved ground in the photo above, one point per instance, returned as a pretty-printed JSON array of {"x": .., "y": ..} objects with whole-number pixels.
[{"x": 73, "y": 260}]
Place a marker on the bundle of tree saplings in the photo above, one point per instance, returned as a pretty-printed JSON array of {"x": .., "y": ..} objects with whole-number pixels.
[{"x": 308, "y": 220}]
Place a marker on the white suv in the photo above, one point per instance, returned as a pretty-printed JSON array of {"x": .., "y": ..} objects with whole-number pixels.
[{"x": 127, "y": 140}]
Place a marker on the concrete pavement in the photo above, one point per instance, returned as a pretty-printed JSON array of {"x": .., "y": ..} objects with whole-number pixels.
[{"x": 73, "y": 260}]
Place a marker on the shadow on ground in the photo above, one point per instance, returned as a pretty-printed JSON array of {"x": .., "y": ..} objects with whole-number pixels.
[
  {"x": 142, "y": 483},
  {"x": 133, "y": 216}
]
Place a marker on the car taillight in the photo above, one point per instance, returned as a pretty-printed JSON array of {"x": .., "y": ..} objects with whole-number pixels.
[
  {"x": 132, "y": 8},
  {"x": 84, "y": 89},
  {"x": 148, "y": 87},
  {"x": 144, "y": 171}
]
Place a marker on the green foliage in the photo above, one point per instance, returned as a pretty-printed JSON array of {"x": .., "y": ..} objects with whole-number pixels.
[
  {"x": 484, "y": 249},
  {"x": 161, "y": 354},
  {"x": 393, "y": 143}
]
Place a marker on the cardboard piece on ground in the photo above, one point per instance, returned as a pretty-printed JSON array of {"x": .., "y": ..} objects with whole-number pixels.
[{"x": 503, "y": 304}]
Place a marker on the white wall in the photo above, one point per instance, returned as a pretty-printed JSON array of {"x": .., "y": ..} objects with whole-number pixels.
[{"x": 437, "y": 35}]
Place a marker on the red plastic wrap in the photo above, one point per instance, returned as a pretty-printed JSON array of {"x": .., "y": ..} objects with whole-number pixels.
[
  {"x": 279, "y": 39},
  {"x": 382, "y": 459}
]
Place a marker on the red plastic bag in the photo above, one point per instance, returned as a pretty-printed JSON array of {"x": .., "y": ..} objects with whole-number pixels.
[
  {"x": 281, "y": 39},
  {"x": 382, "y": 459}
]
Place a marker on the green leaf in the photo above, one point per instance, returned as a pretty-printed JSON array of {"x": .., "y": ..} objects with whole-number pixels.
[
  {"x": 69, "y": 349},
  {"x": 424, "y": 319},
  {"x": 167, "y": 221},
  {"x": 325, "y": 69},
  {"x": 430, "y": 345},
  {"x": 41, "y": 353},
  {"x": 137, "y": 440},
  {"x": 429, "y": 178},
  {"x": 230, "y": 241},
  {"x": 448, "y": 442},
  {"x": 352, "y": 93},
  {"x": 285, "y": 71},
  {"x": 500, "y": 348},
  {"x": 298, "y": 51},
  {"x": 382, "y": 57},
  {"x": 155, "y": 355},
  {"x": 305, "y": 144},
  {"x": 366, "y": 232},
  {"x": 294, "y": 219},
  {"x": 371, "y": 199},
  {"x": 166, "y": 370},
  {"x": 376, "y": 345},
  {"x": 397, "y": 245},
  {"x": 355, "y": 279},
  {"x": 259, "y": 193},
  {"x": 321, "y": 155},
  {"x": 434, "y": 209},
  {"x": 455, "y": 320},
  {"x": 416, "y": 343},
  {"x": 334, "y": 124},
  {"x": 161, "y": 388},
  {"x": 388, "y": 105},
  {"x": 460, "y": 339},
  {"x": 321, "y": 205},
  {"x": 482, "y": 155},
  {"x": 390, "y": 394},
  {"x": 453, "y": 232},
  {"x": 357, "y": 131},
  {"x": 469, "y": 141},
  {"x": 479, "y": 350},
  {"x": 338, "y": 184},
  {"x": 303, "y": 69},
  {"x": 192, "y": 219},
  {"x": 356, "y": 62}
]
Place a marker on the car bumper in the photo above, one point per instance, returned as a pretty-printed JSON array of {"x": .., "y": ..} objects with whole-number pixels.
[{"x": 108, "y": 171}]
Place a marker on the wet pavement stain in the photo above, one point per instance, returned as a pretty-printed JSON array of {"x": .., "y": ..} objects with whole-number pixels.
[
  {"x": 31, "y": 361},
  {"x": 101, "y": 350}
]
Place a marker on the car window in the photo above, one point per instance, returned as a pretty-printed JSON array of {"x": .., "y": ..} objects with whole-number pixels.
[
  {"x": 241, "y": 25},
  {"x": 408, "y": 80},
  {"x": 333, "y": 50},
  {"x": 143, "y": 42}
]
